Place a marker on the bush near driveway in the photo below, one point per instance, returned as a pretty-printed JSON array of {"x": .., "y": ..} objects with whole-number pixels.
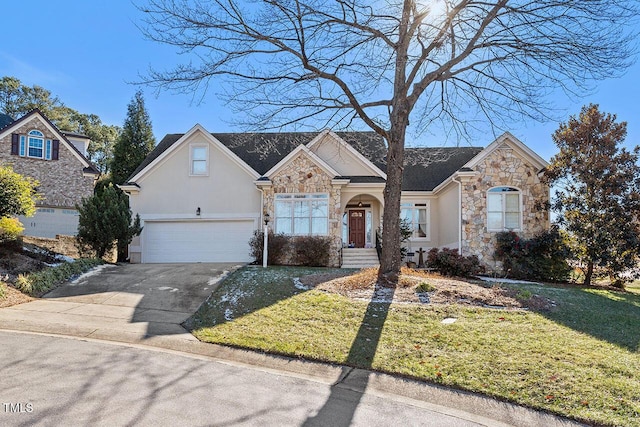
[
  {"x": 580, "y": 359},
  {"x": 37, "y": 284}
]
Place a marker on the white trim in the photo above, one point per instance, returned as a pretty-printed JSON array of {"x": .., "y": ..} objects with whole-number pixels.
[
  {"x": 366, "y": 162},
  {"x": 291, "y": 199},
  {"x": 427, "y": 207},
  {"x": 312, "y": 156},
  {"x": 204, "y": 216},
  {"x": 209, "y": 138},
  {"x": 204, "y": 145},
  {"x": 520, "y": 209},
  {"x": 513, "y": 142}
]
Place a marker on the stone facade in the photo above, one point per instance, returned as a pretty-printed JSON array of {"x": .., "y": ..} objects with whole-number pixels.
[
  {"x": 61, "y": 182},
  {"x": 302, "y": 175},
  {"x": 503, "y": 167}
]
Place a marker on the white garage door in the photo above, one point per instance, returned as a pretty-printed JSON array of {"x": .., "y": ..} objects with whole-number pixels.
[
  {"x": 196, "y": 241},
  {"x": 49, "y": 222}
]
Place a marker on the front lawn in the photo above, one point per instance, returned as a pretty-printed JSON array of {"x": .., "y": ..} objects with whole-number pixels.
[{"x": 581, "y": 358}]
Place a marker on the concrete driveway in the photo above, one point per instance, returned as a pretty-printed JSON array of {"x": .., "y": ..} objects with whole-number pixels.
[{"x": 129, "y": 302}]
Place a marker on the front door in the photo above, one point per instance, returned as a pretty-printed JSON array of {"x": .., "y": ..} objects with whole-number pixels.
[{"x": 356, "y": 228}]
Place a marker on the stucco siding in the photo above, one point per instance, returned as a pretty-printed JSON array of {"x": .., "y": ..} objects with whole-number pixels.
[
  {"x": 448, "y": 217},
  {"x": 169, "y": 190},
  {"x": 340, "y": 158}
]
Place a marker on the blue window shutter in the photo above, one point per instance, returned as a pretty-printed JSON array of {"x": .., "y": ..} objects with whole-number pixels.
[
  {"x": 56, "y": 149},
  {"x": 15, "y": 138},
  {"x": 47, "y": 151},
  {"x": 23, "y": 145}
]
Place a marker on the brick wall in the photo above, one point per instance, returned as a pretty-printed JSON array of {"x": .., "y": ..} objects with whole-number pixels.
[{"x": 61, "y": 182}]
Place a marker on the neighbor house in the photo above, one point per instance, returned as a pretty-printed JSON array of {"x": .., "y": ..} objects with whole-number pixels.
[
  {"x": 201, "y": 195},
  {"x": 36, "y": 148}
]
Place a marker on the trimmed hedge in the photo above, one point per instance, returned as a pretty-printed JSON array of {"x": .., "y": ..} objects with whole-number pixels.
[
  {"x": 309, "y": 251},
  {"x": 36, "y": 284}
]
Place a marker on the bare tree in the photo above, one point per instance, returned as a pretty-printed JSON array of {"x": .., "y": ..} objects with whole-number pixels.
[{"x": 450, "y": 63}]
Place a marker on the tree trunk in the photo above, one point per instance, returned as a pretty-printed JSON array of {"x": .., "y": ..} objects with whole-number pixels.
[
  {"x": 588, "y": 274},
  {"x": 391, "y": 260}
]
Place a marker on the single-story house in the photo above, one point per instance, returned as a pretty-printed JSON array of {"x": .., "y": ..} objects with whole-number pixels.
[
  {"x": 35, "y": 147},
  {"x": 201, "y": 195}
]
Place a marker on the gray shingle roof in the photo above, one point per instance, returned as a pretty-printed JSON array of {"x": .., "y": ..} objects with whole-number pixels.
[
  {"x": 5, "y": 120},
  {"x": 425, "y": 168}
]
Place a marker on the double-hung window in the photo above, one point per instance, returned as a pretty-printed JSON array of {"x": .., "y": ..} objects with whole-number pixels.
[
  {"x": 35, "y": 145},
  {"x": 199, "y": 160},
  {"x": 503, "y": 209},
  {"x": 417, "y": 217},
  {"x": 302, "y": 214}
]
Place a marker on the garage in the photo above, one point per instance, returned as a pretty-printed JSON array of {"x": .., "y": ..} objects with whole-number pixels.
[
  {"x": 196, "y": 241},
  {"x": 49, "y": 222}
]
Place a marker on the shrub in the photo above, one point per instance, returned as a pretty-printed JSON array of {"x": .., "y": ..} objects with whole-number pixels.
[
  {"x": 10, "y": 229},
  {"x": 36, "y": 284},
  {"x": 425, "y": 287},
  {"x": 450, "y": 263},
  {"x": 543, "y": 257},
  {"x": 312, "y": 251},
  {"x": 278, "y": 244}
]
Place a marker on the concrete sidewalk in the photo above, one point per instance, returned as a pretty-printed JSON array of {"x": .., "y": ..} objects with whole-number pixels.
[{"x": 104, "y": 309}]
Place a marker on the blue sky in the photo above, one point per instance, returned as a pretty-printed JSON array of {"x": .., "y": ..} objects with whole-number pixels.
[{"x": 88, "y": 52}]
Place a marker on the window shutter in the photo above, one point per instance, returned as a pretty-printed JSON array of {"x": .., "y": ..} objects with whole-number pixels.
[
  {"x": 55, "y": 150},
  {"x": 15, "y": 138}
]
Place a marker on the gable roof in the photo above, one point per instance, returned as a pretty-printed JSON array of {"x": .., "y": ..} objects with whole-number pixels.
[
  {"x": 424, "y": 169},
  {"x": 262, "y": 151},
  {"x": 303, "y": 150},
  {"x": 167, "y": 145},
  {"x": 88, "y": 166},
  {"x": 508, "y": 139}
]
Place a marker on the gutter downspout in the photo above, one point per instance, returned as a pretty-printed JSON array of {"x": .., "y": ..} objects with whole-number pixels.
[{"x": 459, "y": 214}]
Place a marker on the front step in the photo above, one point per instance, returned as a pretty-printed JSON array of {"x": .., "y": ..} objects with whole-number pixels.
[{"x": 359, "y": 258}]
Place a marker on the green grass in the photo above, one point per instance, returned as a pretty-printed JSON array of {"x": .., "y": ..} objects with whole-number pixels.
[
  {"x": 41, "y": 282},
  {"x": 581, "y": 360}
]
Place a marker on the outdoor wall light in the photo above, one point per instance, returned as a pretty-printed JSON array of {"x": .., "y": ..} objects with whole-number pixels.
[
  {"x": 198, "y": 211},
  {"x": 266, "y": 218}
]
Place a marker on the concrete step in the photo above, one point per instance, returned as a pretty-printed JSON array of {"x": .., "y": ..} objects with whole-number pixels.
[{"x": 359, "y": 258}]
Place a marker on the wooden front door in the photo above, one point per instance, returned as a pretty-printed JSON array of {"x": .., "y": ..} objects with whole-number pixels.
[{"x": 356, "y": 228}]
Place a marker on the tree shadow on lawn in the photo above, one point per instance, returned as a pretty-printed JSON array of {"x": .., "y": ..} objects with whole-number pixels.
[
  {"x": 337, "y": 411},
  {"x": 340, "y": 407},
  {"x": 604, "y": 314}
]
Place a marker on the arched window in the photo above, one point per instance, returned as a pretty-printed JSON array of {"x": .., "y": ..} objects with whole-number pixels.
[
  {"x": 37, "y": 146},
  {"x": 504, "y": 209}
]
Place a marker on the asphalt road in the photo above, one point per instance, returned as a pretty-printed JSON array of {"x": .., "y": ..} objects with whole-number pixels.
[{"x": 54, "y": 381}]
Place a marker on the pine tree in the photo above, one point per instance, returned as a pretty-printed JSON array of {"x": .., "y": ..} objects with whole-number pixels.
[
  {"x": 597, "y": 192},
  {"x": 105, "y": 221},
  {"x": 134, "y": 143}
]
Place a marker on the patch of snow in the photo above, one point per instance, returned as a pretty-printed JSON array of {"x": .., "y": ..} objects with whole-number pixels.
[
  {"x": 64, "y": 258},
  {"x": 228, "y": 314},
  {"x": 449, "y": 320},
  {"x": 167, "y": 288},
  {"x": 213, "y": 280},
  {"x": 92, "y": 272},
  {"x": 501, "y": 280},
  {"x": 299, "y": 285}
]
